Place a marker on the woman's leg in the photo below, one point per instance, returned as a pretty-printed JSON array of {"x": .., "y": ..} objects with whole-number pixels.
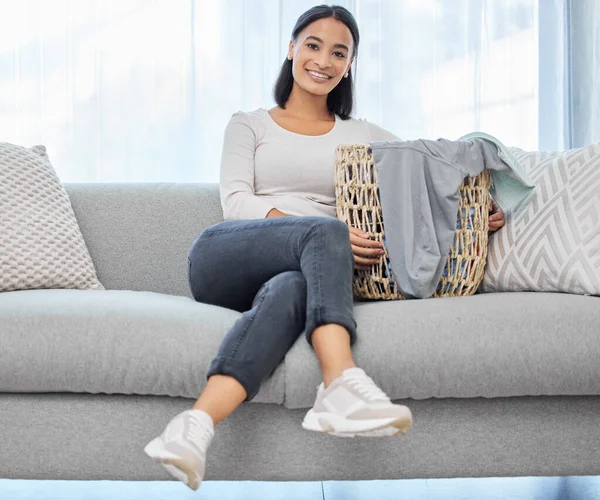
[
  {"x": 242, "y": 265},
  {"x": 229, "y": 262},
  {"x": 274, "y": 314},
  {"x": 255, "y": 345},
  {"x": 332, "y": 347},
  {"x": 228, "y": 265},
  {"x": 234, "y": 262}
]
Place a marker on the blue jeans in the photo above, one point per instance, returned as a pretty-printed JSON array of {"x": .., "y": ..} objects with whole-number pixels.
[{"x": 285, "y": 274}]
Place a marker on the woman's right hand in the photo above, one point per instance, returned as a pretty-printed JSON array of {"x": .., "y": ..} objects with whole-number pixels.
[{"x": 367, "y": 252}]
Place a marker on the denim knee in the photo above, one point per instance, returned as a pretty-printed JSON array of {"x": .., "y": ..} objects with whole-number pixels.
[{"x": 335, "y": 232}]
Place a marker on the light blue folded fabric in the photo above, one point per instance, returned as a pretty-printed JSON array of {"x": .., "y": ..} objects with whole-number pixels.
[{"x": 511, "y": 188}]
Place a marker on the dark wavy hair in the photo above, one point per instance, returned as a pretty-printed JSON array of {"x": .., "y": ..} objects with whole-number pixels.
[{"x": 341, "y": 99}]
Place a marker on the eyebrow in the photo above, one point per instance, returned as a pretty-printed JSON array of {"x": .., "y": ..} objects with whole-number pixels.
[{"x": 337, "y": 45}]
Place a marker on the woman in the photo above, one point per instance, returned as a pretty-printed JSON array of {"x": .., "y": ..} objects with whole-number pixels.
[{"x": 281, "y": 257}]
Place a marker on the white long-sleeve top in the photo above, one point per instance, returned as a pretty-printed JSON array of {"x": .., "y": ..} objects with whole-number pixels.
[{"x": 264, "y": 166}]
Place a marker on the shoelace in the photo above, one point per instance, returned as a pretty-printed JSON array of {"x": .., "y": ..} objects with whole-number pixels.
[
  {"x": 367, "y": 387},
  {"x": 198, "y": 432}
]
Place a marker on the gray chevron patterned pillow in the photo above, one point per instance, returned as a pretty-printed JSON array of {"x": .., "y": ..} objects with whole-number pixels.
[
  {"x": 552, "y": 243},
  {"x": 41, "y": 245}
]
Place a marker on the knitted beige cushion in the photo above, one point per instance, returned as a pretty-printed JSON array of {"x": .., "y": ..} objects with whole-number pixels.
[
  {"x": 41, "y": 245},
  {"x": 552, "y": 243}
]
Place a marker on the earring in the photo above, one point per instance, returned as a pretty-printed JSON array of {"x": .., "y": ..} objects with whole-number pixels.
[
  {"x": 290, "y": 57},
  {"x": 346, "y": 75}
]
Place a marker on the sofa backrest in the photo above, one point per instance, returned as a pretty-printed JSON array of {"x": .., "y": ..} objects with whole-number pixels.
[{"x": 139, "y": 234}]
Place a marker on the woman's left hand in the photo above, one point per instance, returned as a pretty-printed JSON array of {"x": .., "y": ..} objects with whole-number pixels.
[{"x": 496, "y": 218}]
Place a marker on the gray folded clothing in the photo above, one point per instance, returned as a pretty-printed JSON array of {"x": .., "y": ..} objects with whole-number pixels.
[{"x": 418, "y": 189}]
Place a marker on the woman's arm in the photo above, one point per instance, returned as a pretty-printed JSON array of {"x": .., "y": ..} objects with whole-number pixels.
[
  {"x": 236, "y": 183},
  {"x": 276, "y": 213},
  {"x": 377, "y": 133}
]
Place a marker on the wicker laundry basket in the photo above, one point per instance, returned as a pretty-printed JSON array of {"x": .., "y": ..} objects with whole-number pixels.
[{"x": 358, "y": 205}]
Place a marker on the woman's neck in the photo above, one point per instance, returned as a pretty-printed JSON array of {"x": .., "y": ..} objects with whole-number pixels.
[{"x": 302, "y": 104}]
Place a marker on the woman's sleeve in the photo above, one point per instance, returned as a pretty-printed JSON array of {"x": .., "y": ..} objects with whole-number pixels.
[
  {"x": 376, "y": 133},
  {"x": 236, "y": 183}
]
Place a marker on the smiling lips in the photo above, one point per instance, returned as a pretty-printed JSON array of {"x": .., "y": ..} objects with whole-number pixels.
[{"x": 318, "y": 77}]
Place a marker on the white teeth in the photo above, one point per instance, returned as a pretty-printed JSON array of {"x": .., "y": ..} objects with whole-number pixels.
[{"x": 319, "y": 75}]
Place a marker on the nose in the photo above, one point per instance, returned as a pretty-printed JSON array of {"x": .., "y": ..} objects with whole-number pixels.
[{"x": 323, "y": 60}]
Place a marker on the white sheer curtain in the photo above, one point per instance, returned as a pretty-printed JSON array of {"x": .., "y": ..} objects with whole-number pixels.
[
  {"x": 141, "y": 90},
  {"x": 569, "y": 73}
]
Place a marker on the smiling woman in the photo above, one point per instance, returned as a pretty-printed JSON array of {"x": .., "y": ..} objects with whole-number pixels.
[
  {"x": 281, "y": 257},
  {"x": 321, "y": 52}
]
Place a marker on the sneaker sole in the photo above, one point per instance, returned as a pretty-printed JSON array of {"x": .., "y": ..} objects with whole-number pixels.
[
  {"x": 394, "y": 429},
  {"x": 173, "y": 464},
  {"x": 337, "y": 426}
]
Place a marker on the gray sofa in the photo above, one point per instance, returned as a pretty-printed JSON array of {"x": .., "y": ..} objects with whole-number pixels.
[{"x": 499, "y": 384}]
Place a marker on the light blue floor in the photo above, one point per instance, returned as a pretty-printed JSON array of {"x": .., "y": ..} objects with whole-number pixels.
[{"x": 521, "y": 488}]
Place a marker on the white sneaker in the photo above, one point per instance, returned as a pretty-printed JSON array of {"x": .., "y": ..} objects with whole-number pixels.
[
  {"x": 182, "y": 447},
  {"x": 353, "y": 405}
]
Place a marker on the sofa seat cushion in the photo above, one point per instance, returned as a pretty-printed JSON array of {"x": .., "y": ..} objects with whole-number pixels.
[
  {"x": 113, "y": 342},
  {"x": 487, "y": 345}
]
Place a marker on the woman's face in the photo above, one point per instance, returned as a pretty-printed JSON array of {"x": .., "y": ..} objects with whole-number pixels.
[{"x": 321, "y": 55}]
